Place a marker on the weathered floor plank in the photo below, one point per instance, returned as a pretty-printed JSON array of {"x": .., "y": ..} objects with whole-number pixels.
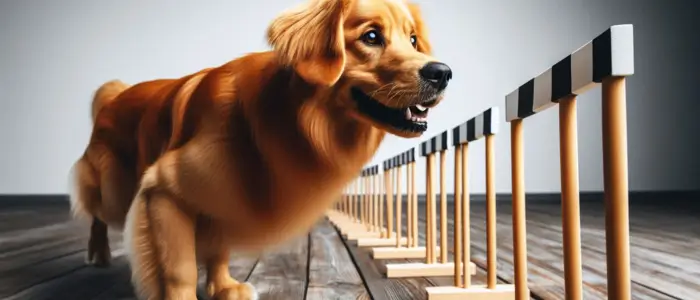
[
  {"x": 45, "y": 260},
  {"x": 545, "y": 253},
  {"x": 281, "y": 274},
  {"x": 332, "y": 274}
]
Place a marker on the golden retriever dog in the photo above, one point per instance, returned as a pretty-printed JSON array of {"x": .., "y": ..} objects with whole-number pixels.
[{"x": 250, "y": 154}]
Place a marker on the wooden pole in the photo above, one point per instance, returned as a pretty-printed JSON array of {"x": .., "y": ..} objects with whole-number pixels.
[
  {"x": 375, "y": 208},
  {"x": 443, "y": 209},
  {"x": 366, "y": 203},
  {"x": 399, "y": 213},
  {"x": 414, "y": 203},
  {"x": 519, "y": 229},
  {"x": 433, "y": 212},
  {"x": 409, "y": 207},
  {"x": 466, "y": 234},
  {"x": 355, "y": 195},
  {"x": 377, "y": 205},
  {"x": 428, "y": 217},
  {"x": 571, "y": 225},
  {"x": 490, "y": 213},
  {"x": 370, "y": 214},
  {"x": 389, "y": 192},
  {"x": 457, "y": 239},
  {"x": 361, "y": 201},
  {"x": 616, "y": 188}
]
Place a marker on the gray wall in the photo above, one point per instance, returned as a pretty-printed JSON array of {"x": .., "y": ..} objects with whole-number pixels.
[{"x": 55, "y": 53}]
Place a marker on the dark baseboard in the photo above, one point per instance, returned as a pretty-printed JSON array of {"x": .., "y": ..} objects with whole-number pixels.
[{"x": 16, "y": 200}]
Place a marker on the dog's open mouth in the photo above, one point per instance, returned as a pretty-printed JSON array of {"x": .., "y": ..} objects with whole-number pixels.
[{"x": 413, "y": 118}]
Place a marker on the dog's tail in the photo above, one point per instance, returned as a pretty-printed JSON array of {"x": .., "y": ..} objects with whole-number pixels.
[
  {"x": 105, "y": 94},
  {"x": 84, "y": 183}
]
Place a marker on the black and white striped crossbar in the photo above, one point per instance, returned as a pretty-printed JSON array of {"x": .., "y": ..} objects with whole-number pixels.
[
  {"x": 435, "y": 144},
  {"x": 402, "y": 158},
  {"x": 369, "y": 171},
  {"x": 407, "y": 156},
  {"x": 486, "y": 123},
  {"x": 609, "y": 54},
  {"x": 388, "y": 164}
]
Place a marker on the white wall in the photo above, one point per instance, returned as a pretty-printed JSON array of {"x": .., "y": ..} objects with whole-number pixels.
[{"x": 54, "y": 54}]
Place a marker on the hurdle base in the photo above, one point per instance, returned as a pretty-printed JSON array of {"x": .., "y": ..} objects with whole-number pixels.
[
  {"x": 474, "y": 292},
  {"x": 399, "y": 253},
  {"x": 423, "y": 270},
  {"x": 380, "y": 242},
  {"x": 351, "y": 227},
  {"x": 363, "y": 234}
]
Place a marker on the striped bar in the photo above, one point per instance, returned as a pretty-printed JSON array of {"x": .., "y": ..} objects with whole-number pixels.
[
  {"x": 486, "y": 123},
  {"x": 389, "y": 164},
  {"x": 410, "y": 155},
  {"x": 435, "y": 144},
  {"x": 403, "y": 158},
  {"x": 609, "y": 54}
]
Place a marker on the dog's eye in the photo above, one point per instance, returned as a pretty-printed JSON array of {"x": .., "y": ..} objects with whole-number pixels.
[
  {"x": 414, "y": 41},
  {"x": 372, "y": 37}
]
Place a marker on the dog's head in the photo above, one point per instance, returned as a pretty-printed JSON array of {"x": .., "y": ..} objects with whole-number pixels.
[{"x": 373, "y": 54}]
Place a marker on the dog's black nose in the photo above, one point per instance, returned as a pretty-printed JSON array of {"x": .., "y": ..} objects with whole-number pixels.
[{"x": 437, "y": 73}]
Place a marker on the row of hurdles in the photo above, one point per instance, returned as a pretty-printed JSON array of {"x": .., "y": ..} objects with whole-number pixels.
[{"x": 359, "y": 215}]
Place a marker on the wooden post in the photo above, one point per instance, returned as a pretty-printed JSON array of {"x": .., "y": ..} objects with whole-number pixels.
[
  {"x": 616, "y": 188},
  {"x": 380, "y": 195},
  {"x": 399, "y": 213},
  {"x": 375, "y": 198},
  {"x": 443, "y": 209},
  {"x": 389, "y": 202},
  {"x": 457, "y": 240},
  {"x": 414, "y": 203},
  {"x": 466, "y": 206},
  {"x": 433, "y": 212},
  {"x": 571, "y": 227},
  {"x": 428, "y": 211},
  {"x": 490, "y": 213},
  {"x": 409, "y": 195},
  {"x": 519, "y": 223}
]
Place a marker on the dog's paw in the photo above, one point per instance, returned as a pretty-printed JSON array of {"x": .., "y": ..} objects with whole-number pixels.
[
  {"x": 98, "y": 255},
  {"x": 240, "y": 291}
]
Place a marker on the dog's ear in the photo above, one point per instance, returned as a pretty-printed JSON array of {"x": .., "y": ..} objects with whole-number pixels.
[
  {"x": 421, "y": 30},
  {"x": 310, "y": 39}
]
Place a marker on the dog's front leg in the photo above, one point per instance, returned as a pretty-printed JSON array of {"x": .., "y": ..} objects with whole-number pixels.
[
  {"x": 162, "y": 242},
  {"x": 220, "y": 285}
]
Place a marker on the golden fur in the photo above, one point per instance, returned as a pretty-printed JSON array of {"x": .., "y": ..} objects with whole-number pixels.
[{"x": 248, "y": 154}]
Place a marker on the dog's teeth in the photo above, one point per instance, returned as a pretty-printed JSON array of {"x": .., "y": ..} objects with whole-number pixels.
[
  {"x": 421, "y": 108},
  {"x": 408, "y": 114}
]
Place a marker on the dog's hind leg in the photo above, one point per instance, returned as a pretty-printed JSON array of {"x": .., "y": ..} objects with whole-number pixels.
[
  {"x": 85, "y": 201},
  {"x": 98, "y": 251},
  {"x": 159, "y": 237}
]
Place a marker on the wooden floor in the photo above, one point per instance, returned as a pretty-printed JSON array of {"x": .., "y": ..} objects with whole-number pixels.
[{"x": 42, "y": 257}]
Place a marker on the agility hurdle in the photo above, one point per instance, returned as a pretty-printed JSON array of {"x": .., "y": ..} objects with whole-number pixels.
[
  {"x": 605, "y": 60},
  {"x": 350, "y": 220},
  {"x": 484, "y": 125},
  {"x": 410, "y": 248},
  {"x": 387, "y": 236},
  {"x": 431, "y": 266},
  {"x": 365, "y": 226},
  {"x": 370, "y": 231}
]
